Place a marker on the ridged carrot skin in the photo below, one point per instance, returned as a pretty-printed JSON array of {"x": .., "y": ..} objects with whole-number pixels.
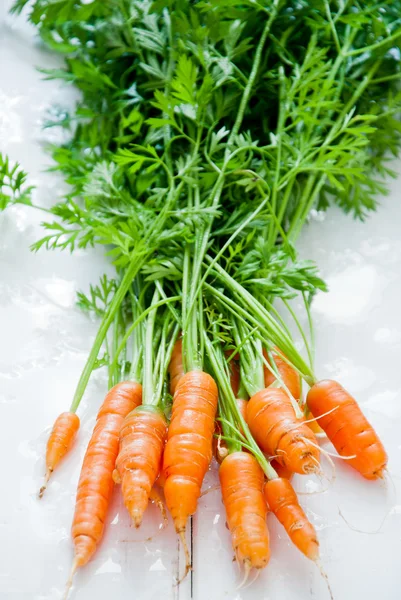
[
  {"x": 60, "y": 442},
  {"x": 288, "y": 374},
  {"x": 347, "y": 428},
  {"x": 241, "y": 480},
  {"x": 283, "y": 502},
  {"x": 188, "y": 450},
  {"x": 275, "y": 427},
  {"x": 96, "y": 481},
  {"x": 142, "y": 439},
  {"x": 176, "y": 366}
]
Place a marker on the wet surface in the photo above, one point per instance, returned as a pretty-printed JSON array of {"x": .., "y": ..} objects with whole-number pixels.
[{"x": 44, "y": 343}]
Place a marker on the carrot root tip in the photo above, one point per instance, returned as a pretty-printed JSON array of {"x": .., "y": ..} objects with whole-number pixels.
[
  {"x": 68, "y": 587},
  {"x": 188, "y": 565},
  {"x": 247, "y": 567},
  {"x": 156, "y": 498},
  {"x": 46, "y": 481},
  {"x": 325, "y": 577},
  {"x": 209, "y": 490},
  {"x": 116, "y": 477}
]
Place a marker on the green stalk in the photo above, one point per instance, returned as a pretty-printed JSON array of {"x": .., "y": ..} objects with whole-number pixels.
[
  {"x": 139, "y": 320},
  {"x": 279, "y": 134},
  {"x": 251, "y": 364},
  {"x": 148, "y": 396},
  {"x": 136, "y": 337},
  {"x": 218, "y": 188},
  {"x": 254, "y": 311},
  {"x": 107, "y": 320},
  {"x": 137, "y": 259},
  {"x": 232, "y": 413},
  {"x": 112, "y": 371}
]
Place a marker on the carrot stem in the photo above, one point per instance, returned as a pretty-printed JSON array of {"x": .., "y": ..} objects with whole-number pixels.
[{"x": 148, "y": 388}]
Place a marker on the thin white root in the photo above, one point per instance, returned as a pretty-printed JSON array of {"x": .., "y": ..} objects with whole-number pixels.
[
  {"x": 211, "y": 489},
  {"x": 374, "y": 532},
  {"x": 247, "y": 567},
  {"x": 326, "y": 454},
  {"x": 116, "y": 477},
  {"x": 70, "y": 580},
  {"x": 325, "y": 577},
  {"x": 314, "y": 419},
  {"x": 43, "y": 488},
  {"x": 157, "y": 499},
  {"x": 313, "y": 471},
  {"x": 253, "y": 579},
  {"x": 386, "y": 476},
  {"x": 222, "y": 451},
  {"x": 188, "y": 566}
]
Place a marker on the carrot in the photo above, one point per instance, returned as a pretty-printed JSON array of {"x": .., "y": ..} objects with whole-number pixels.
[
  {"x": 278, "y": 432},
  {"x": 283, "y": 502},
  {"x": 96, "y": 481},
  {"x": 288, "y": 374},
  {"x": 142, "y": 439},
  {"x": 292, "y": 381},
  {"x": 59, "y": 443},
  {"x": 189, "y": 445},
  {"x": 176, "y": 367},
  {"x": 347, "y": 428},
  {"x": 241, "y": 480}
]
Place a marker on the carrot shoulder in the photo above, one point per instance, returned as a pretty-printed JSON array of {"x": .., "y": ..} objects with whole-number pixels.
[
  {"x": 288, "y": 375},
  {"x": 59, "y": 443},
  {"x": 138, "y": 464},
  {"x": 279, "y": 433},
  {"x": 96, "y": 482},
  {"x": 188, "y": 450},
  {"x": 347, "y": 428},
  {"x": 241, "y": 480},
  {"x": 283, "y": 502}
]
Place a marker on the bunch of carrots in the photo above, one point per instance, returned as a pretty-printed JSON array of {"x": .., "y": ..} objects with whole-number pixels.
[
  {"x": 204, "y": 136},
  {"x": 241, "y": 402}
]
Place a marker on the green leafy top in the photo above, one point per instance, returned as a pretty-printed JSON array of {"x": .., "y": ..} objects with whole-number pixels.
[{"x": 13, "y": 188}]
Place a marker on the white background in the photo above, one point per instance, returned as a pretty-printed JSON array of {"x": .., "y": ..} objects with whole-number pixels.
[{"x": 44, "y": 341}]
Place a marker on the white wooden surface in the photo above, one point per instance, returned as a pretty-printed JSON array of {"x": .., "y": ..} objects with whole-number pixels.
[{"x": 43, "y": 345}]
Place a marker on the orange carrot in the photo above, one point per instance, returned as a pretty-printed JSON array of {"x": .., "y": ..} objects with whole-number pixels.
[
  {"x": 292, "y": 381},
  {"x": 241, "y": 480},
  {"x": 288, "y": 374},
  {"x": 176, "y": 367},
  {"x": 96, "y": 481},
  {"x": 279, "y": 433},
  {"x": 138, "y": 464},
  {"x": 346, "y": 427},
  {"x": 189, "y": 445},
  {"x": 283, "y": 502},
  {"x": 59, "y": 443}
]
